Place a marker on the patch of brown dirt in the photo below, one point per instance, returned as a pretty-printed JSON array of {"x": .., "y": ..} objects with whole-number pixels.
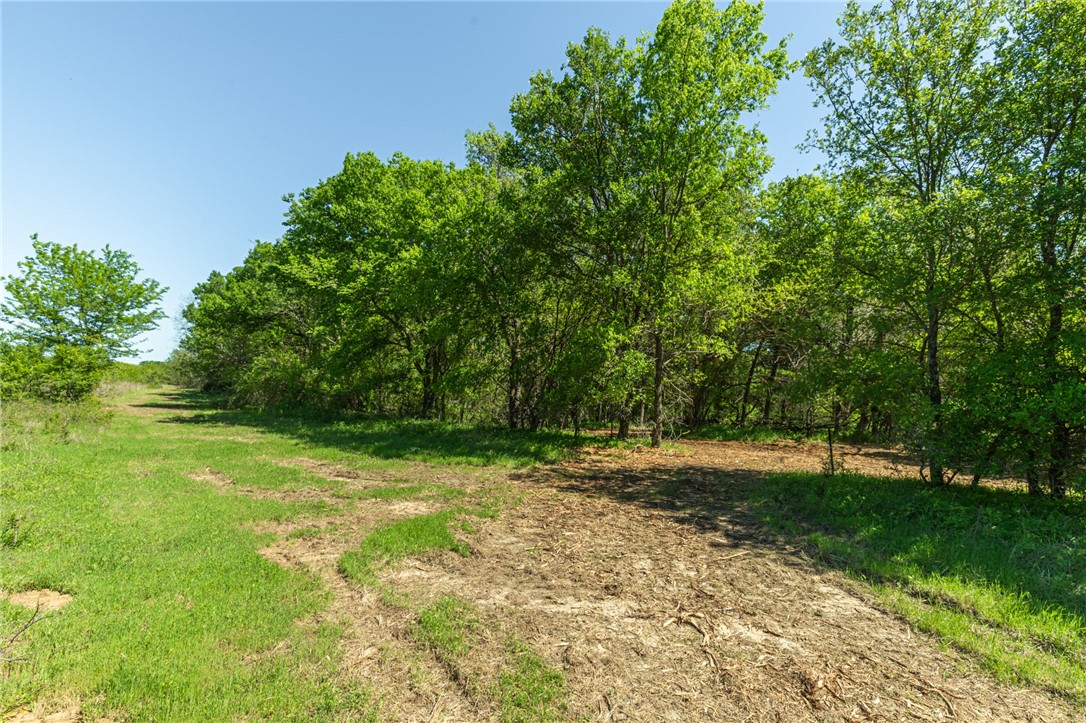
[
  {"x": 377, "y": 647},
  {"x": 334, "y": 472},
  {"x": 806, "y": 456},
  {"x": 225, "y": 484},
  {"x": 45, "y": 600},
  {"x": 69, "y": 715},
  {"x": 658, "y": 612}
]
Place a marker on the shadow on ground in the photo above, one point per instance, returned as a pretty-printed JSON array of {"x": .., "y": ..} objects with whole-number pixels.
[
  {"x": 389, "y": 439},
  {"x": 890, "y": 530},
  {"x": 883, "y": 529}
]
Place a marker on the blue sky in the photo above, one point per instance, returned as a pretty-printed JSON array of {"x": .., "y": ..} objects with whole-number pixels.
[{"x": 172, "y": 130}]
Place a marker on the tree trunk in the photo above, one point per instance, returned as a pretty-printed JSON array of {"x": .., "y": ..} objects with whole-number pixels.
[
  {"x": 741, "y": 419},
  {"x": 624, "y": 414},
  {"x": 935, "y": 397},
  {"x": 658, "y": 391},
  {"x": 512, "y": 401},
  {"x": 1059, "y": 445},
  {"x": 767, "y": 406}
]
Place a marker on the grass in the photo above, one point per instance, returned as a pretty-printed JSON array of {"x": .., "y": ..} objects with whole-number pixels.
[
  {"x": 406, "y": 491},
  {"x": 175, "y": 615},
  {"x": 731, "y": 433},
  {"x": 143, "y": 519},
  {"x": 444, "y": 626},
  {"x": 430, "y": 441},
  {"x": 412, "y": 536},
  {"x": 992, "y": 572},
  {"x": 525, "y": 687},
  {"x": 531, "y": 690},
  {"x": 26, "y": 422}
]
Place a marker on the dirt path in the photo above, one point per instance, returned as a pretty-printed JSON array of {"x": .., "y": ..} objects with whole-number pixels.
[{"x": 657, "y": 613}]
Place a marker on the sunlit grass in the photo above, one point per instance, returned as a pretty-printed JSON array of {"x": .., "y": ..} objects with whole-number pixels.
[{"x": 992, "y": 572}]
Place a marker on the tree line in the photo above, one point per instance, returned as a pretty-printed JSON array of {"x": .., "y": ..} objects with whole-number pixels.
[{"x": 618, "y": 259}]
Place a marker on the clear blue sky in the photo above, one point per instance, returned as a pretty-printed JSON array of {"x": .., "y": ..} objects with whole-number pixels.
[{"x": 172, "y": 130}]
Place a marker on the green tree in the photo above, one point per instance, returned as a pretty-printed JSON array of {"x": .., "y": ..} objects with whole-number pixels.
[
  {"x": 649, "y": 175},
  {"x": 1035, "y": 155},
  {"x": 68, "y": 297},
  {"x": 902, "y": 110}
]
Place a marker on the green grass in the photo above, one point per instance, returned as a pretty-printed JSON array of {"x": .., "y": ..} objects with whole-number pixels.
[
  {"x": 531, "y": 690},
  {"x": 525, "y": 687},
  {"x": 143, "y": 518},
  {"x": 431, "y": 441},
  {"x": 731, "y": 433},
  {"x": 444, "y": 627},
  {"x": 27, "y": 422},
  {"x": 405, "y": 491},
  {"x": 991, "y": 572},
  {"x": 175, "y": 615},
  {"x": 386, "y": 545}
]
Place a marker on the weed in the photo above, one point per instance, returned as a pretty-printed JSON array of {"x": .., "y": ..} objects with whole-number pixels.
[
  {"x": 26, "y": 422},
  {"x": 14, "y": 528}
]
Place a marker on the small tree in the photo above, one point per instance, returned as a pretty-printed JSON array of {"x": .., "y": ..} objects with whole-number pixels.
[
  {"x": 68, "y": 297},
  {"x": 67, "y": 315}
]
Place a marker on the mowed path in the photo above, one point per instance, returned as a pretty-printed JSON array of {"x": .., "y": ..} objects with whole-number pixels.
[{"x": 635, "y": 574}]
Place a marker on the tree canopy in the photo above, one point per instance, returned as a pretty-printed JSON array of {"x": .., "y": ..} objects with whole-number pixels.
[{"x": 64, "y": 296}]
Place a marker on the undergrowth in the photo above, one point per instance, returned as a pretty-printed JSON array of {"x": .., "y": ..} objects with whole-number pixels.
[{"x": 25, "y": 422}]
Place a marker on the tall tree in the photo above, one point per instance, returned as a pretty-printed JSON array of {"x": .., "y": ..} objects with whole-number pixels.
[
  {"x": 650, "y": 171},
  {"x": 701, "y": 71},
  {"x": 1035, "y": 123},
  {"x": 902, "y": 109}
]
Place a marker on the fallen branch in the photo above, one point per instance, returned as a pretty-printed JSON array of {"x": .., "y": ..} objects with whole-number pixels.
[{"x": 5, "y": 648}]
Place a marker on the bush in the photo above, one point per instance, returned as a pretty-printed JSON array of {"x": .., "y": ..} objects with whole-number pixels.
[
  {"x": 28, "y": 419},
  {"x": 69, "y": 373},
  {"x": 152, "y": 373}
]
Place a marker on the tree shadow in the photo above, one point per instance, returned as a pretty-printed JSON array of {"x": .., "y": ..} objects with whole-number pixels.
[
  {"x": 889, "y": 530},
  {"x": 182, "y": 400},
  {"x": 884, "y": 529},
  {"x": 422, "y": 440}
]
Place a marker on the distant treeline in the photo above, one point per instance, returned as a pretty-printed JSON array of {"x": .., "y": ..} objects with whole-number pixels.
[{"x": 617, "y": 258}]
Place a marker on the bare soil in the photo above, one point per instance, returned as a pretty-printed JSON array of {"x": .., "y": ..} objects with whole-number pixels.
[
  {"x": 43, "y": 600},
  {"x": 656, "y": 606}
]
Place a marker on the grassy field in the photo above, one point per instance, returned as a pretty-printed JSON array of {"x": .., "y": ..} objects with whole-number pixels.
[{"x": 175, "y": 615}]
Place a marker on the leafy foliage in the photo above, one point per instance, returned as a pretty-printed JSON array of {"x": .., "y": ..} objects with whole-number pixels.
[
  {"x": 68, "y": 314},
  {"x": 68, "y": 297}
]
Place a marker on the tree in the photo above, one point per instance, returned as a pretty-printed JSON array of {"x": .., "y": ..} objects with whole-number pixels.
[
  {"x": 1035, "y": 126},
  {"x": 902, "y": 117},
  {"x": 66, "y": 297},
  {"x": 650, "y": 173}
]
